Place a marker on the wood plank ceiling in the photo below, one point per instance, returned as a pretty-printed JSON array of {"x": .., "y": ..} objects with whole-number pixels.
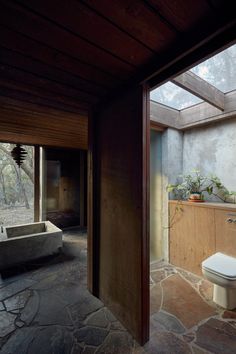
[{"x": 60, "y": 58}]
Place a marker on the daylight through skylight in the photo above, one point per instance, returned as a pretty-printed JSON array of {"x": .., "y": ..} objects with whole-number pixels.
[
  {"x": 173, "y": 96},
  {"x": 220, "y": 70}
]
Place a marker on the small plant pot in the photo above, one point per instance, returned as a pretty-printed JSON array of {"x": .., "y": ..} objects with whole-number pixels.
[{"x": 195, "y": 197}]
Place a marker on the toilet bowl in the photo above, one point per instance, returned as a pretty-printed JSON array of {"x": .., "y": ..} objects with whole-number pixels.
[{"x": 220, "y": 269}]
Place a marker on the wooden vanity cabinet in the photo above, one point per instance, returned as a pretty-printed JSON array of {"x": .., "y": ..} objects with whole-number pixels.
[
  {"x": 198, "y": 231},
  {"x": 225, "y": 231}
]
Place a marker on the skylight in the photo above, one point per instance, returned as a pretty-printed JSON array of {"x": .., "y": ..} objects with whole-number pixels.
[
  {"x": 220, "y": 70},
  {"x": 173, "y": 96}
]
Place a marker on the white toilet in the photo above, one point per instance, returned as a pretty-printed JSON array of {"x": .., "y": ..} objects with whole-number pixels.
[{"x": 220, "y": 269}]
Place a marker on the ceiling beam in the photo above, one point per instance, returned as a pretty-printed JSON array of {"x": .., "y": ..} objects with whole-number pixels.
[
  {"x": 161, "y": 114},
  {"x": 200, "y": 88},
  {"x": 194, "y": 116},
  {"x": 203, "y": 113}
]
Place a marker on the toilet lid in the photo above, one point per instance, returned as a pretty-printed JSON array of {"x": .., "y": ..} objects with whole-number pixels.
[{"x": 222, "y": 264}]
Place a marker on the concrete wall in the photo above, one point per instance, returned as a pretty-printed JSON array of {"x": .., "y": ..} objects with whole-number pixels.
[
  {"x": 212, "y": 150},
  {"x": 172, "y": 165},
  {"x": 155, "y": 196},
  {"x": 165, "y": 165}
]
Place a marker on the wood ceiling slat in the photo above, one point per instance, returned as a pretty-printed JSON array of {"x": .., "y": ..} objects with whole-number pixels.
[
  {"x": 28, "y": 97},
  {"x": 88, "y": 25},
  {"x": 182, "y": 14},
  {"x": 43, "y": 94},
  {"x": 26, "y": 22},
  {"x": 42, "y": 130},
  {"x": 25, "y": 138},
  {"x": 22, "y": 121},
  {"x": 9, "y": 73},
  {"x": 136, "y": 18},
  {"x": 96, "y": 80},
  {"x": 33, "y": 108},
  {"x": 27, "y": 65}
]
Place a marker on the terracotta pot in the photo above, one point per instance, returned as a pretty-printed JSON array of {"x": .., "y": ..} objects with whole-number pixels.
[{"x": 195, "y": 196}]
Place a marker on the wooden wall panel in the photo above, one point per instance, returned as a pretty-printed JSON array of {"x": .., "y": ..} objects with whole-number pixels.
[
  {"x": 181, "y": 251},
  {"x": 39, "y": 128},
  {"x": 203, "y": 244},
  {"x": 225, "y": 232},
  {"x": 200, "y": 231},
  {"x": 192, "y": 237},
  {"x": 121, "y": 205}
]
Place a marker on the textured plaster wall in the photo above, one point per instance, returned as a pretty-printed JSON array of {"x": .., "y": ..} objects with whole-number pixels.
[
  {"x": 155, "y": 196},
  {"x": 212, "y": 150},
  {"x": 165, "y": 165}
]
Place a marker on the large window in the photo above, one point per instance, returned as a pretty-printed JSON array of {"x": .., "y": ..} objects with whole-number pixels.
[{"x": 16, "y": 187}]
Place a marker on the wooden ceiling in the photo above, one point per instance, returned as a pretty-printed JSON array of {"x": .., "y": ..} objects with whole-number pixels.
[{"x": 61, "y": 57}]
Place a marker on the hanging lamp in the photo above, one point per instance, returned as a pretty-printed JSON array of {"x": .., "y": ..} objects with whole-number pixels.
[{"x": 18, "y": 154}]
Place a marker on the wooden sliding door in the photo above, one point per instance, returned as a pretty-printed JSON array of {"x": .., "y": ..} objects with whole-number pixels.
[{"x": 119, "y": 209}]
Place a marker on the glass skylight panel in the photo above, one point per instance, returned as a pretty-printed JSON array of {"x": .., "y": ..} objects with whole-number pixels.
[
  {"x": 173, "y": 96},
  {"x": 220, "y": 70}
]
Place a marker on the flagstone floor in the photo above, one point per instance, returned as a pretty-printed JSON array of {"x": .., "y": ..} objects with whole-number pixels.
[{"x": 45, "y": 308}]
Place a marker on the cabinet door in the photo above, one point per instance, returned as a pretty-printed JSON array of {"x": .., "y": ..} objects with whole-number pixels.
[
  {"x": 192, "y": 237},
  {"x": 181, "y": 235},
  {"x": 204, "y": 240},
  {"x": 225, "y": 232}
]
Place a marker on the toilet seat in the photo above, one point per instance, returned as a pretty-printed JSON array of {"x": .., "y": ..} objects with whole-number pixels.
[{"x": 221, "y": 265}]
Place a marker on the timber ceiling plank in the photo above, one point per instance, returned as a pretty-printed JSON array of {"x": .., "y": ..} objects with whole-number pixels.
[
  {"x": 42, "y": 70},
  {"x": 44, "y": 101},
  {"x": 16, "y": 75},
  {"x": 137, "y": 20},
  {"x": 182, "y": 14},
  {"x": 45, "y": 31},
  {"x": 95, "y": 29},
  {"x": 26, "y": 46},
  {"x": 33, "y": 108}
]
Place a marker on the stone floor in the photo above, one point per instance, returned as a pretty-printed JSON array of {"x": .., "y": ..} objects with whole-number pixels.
[
  {"x": 46, "y": 309},
  {"x": 184, "y": 318}
]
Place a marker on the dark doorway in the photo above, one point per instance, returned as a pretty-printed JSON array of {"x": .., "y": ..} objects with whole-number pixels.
[{"x": 65, "y": 179}]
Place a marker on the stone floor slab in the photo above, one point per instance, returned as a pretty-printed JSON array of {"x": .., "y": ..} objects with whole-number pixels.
[
  {"x": 158, "y": 275},
  {"x": 167, "y": 343},
  {"x": 18, "y": 301},
  {"x": 14, "y": 288},
  {"x": 181, "y": 300},
  {"x": 53, "y": 339},
  {"x": 217, "y": 336},
  {"x": 6, "y": 323},
  {"x": 19, "y": 341},
  {"x": 169, "y": 322},
  {"x": 116, "y": 343},
  {"x": 31, "y": 309},
  {"x": 91, "y": 335},
  {"x": 229, "y": 314},
  {"x": 98, "y": 319},
  {"x": 155, "y": 298},
  {"x": 85, "y": 306}
]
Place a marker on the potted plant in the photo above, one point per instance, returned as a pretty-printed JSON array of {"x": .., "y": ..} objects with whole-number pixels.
[{"x": 194, "y": 186}]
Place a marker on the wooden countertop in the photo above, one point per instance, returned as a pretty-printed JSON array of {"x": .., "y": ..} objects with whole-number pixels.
[{"x": 214, "y": 205}]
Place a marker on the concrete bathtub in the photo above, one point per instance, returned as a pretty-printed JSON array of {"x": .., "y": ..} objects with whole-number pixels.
[{"x": 26, "y": 242}]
